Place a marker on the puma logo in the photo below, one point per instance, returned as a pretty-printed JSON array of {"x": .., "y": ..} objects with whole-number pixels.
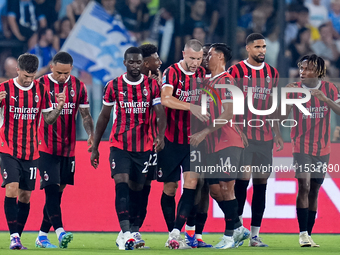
[
  {"x": 181, "y": 82},
  {"x": 123, "y": 93},
  {"x": 15, "y": 98},
  {"x": 248, "y": 77},
  {"x": 51, "y": 92}
]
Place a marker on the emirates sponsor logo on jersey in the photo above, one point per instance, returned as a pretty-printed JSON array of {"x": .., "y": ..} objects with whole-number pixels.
[
  {"x": 134, "y": 107},
  {"x": 316, "y": 112},
  {"x": 258, "y": 92},
  {"x": 188, "y": 95},
  {"x": 23, "y": 113},
  {"x": 67, "y": 108}
]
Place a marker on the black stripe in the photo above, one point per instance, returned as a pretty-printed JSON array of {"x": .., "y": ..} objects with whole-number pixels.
[
  {"x": 54, "y": 125},
  {"x": 48, "y": 89},
  {"x": 16, "y": 124},
  {"x": 135, "y": 121},
  {"x": 71, "y": 120},
  {"x": 34, "y": 140},
  {"x": 312, "y": 130}
]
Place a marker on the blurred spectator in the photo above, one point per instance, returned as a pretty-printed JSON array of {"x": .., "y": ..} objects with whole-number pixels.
[
  {"x": 241, "y": 43},
  {"x": 75, "y": 9},
  {"x": 326, "y": 47},
  {"x": 135, "y": 17},
  {"x": 302, "y": 21},
  {"x": 258, "y": 24},
  {"x": 326, "y": 3},
  {"x": 318, "y": 13},
  {"x": 300, "y": 47},
  {"x": 44, "y": 50},
  {"x": 273, "y": 47},
  {"x": 109, "y": 6},
  {"x": 153, "y": 6},
  {"x": 50, "y": 9},
  {"x": 195, "y": 19},
  {"x": 199, "y": 34},
  {"x": 334, "y": 17},
  {"x": 164, "y": 33},
  {"x": 24, "y": 18},
  {"x": 4, "y": 28},
  {"x": 65, "y": 28},
  {"x": 10, "y": 69}
]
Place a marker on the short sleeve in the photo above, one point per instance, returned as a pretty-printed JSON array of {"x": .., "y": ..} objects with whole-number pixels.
[
  {"x": 3, "y": 101},
  {"x": 335, "y": 94},
  {"x": 109, "y": 95},
  {"x": 169, "y": 78},
  {"x": 156, "y": 93},
  {"x": 235, "y": 75},
  {"x": 276, "y": 79},
  {"x": 46, "y": 104},
  {"x": 12, "y": 8},
  {"x": 83, "y": 97}
]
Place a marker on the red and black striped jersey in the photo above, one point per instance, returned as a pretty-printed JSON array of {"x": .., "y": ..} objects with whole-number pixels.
[
  {"x": 185, "y": 86},
  {"x": 312, "y": 133},
  {"x": 261, "y": 80},
  {"x": 60, "y": 138},
  {"x": 21, "y": 112},
  {"x": 228, "y": 135},
  {"x": 153, "y": 122},
  {"x": 133, "y": 102}
]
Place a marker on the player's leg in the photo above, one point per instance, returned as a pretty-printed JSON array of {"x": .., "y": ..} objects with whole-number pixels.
[
  {"x": 262, "y": 157},
  {"x": 23, "y": 209}
]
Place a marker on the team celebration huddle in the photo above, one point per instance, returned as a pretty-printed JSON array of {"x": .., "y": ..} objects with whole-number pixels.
[{"x": 166, "y": 127}]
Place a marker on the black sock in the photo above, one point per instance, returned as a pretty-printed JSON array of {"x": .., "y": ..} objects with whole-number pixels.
[
  {"x": 311, "y": 221},
  {"x": 258, "y": 204},
  {"x": 185, "y": 205},
  {"x": 201, "y": 218},
  {"x": 237, "y": 222},
  {"x": 23, "y": 211},
  {"x": 302, "y": 215},
  {"x": 230, "y": 214},
  {"x": 46, "y": 224},
  {"x": 53, "y": 205},
  {"x": 144, "y": 204},
  {"x": 192, "y": 216},
  {"x": 241, "y": 194},
  {"x": 168, "y": 208},
  {"x": 11, "y": 212},
  {"x": 122, "y": 205},
  {"x": 134, "y": 206}
]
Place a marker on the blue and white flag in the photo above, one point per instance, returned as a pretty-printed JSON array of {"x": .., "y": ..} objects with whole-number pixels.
[{"x": 97, "y": 43}]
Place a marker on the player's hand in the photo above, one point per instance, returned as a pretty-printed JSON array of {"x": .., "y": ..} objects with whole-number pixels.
[
  {"x": 319, "y": 95},
  {"x": 196, "y": 110},
  {"x": 244, "y": 140},
  {"x": 3, "y": 95},
  {"x": 336, "y": 134},
  {"x": 159, "y": 143},
  {"x": 95, "y": 158},
  {"x": 61, "y": 97},
  {"x": 198, "y": 137},
  {"x": 90, "y": 143},
  {"x": 279, "y": 142},
  {"x": 292, "y": 85}
]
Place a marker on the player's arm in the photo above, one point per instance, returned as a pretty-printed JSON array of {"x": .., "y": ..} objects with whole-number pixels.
[
  {"x": 51, "y": 116},
  {"x": 161, "y": 124},
  {"x": 223, "y": 119},
  {"x": 172, "y": 102},
  {"x": 88, "y": 124},
  {"x": 335, "y": 106},
  {"x": 276, "y": 128},
  {"x": 102, "y": 122}
]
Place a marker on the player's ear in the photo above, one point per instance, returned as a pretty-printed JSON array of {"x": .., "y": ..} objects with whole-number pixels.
[
  {"x": 247, "y": 47},
  {"x": 124, "y": 62}
]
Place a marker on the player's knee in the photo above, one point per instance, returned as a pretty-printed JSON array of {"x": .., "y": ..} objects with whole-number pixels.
[
  {"x": 12, "y": 189},
  {"x": 170, "y": 188},
  {"x": 304, "y": 188},
  {"x": 24, "y": 196}
]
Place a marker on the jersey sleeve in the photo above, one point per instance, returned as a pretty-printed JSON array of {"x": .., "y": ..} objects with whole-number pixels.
[
  {"x": 156, "y": 93},
  {"x": 3, "y": 101},
  {"x": 335, "y": 94},
  {"x": 169, "y": 78},
  {"x": 109, "y": 95},
  {"x": 46, "y": 104},
  {"x": 83, "y": 97},
  {"x": 235, "y": 75},
  {"x": 276, "y": 79}
]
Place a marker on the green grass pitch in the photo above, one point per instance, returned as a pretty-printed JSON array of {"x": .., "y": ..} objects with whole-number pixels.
[{"x": 104, "y": 243}]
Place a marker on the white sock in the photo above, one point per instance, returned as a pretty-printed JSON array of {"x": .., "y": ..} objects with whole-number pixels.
[
  {"x": 255, "y": 231},
  {"x": 198, "y": 236},
  {"x": 175, "y": 231},
  {"x": 187, "y": 227},
  {"x": 58, "y": 231},
  {"x": 14, "y": 235},
  {"x": 241, "y": 219},
  {"x": 304, "y": 232},
  {"x": 41, "y": 233}
]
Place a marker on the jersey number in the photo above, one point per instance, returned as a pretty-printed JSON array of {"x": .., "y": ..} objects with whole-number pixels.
[{"x": 33, "y": 173}]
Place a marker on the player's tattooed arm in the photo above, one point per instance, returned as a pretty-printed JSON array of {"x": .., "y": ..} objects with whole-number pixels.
[
  {"x": 102, "y": 122},
  {"x": 51, "y": 117},
  {"x": 88, "y": 125},
  {"x": 161, "y": 124}
]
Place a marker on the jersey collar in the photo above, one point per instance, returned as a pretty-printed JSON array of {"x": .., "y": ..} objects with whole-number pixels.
[
  {"x": 317, "y": 86},
  {"x": 22, "y": 87},
  {"x": 50, "y": 77},
  {"x": 254, "y": 67},
  {"x": 217, "y": 75},
  {"x": 133, "y": 82},
  {"x": 182, "y": 69}
]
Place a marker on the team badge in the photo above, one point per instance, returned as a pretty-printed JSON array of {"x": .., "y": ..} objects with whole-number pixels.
[
  {"x": 145, "y": 92},
  {"x": 36, "y": 98},
  {"x": 268, "y": 78},
  {"x": 72, "y": 93},
  {"x": 46, "y": 177},
  {"x": 5, "y": 174},
  {"x": 113, "y": 164},
  {"x": 199, "y": 80},
  {"x": 160, "y": 173}
]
